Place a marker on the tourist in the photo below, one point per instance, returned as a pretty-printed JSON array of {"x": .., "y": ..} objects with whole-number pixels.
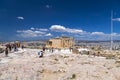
[
  {"x": 94, "y": 54},
  {"x": 70, "y": 49},
  {"x": 6, "y": 51},
  {"x": 52, "y": 50},
  {"x": 15, "y": 47},
  {"x": 10, "y": 48},
  {"x": 98, "y": 54},
  {"x": 88, "y": 54},
  {"x": 40, "y": 54},
  {"x": 43, "y": 49},
  {"x": 22, "y": 46}
]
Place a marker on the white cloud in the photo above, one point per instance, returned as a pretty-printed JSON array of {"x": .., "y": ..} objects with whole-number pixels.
[
  {"x": 104, "y": 36},
  {"x": 32, "y": 28},
  {"x": 74, "y": 30},
  {"x": 31, "y": 33},
  {"x": 77, "y": 33},
  {"x": 42, "y": 29},
  {"x": 20, "y": 17},
  {"x": 39, "y": 32},
  {"x": 59, "y": 28},
  {"x": 116, "y": 19},
  {"x": 47, "y": 6},
  {"x": 97, "y": 33},
  {"x": 39, "y": 29},
  {"x": 115, "y": 34},
  {"x": 26, "y": 33},
  {"x": 49, "y": 34}
]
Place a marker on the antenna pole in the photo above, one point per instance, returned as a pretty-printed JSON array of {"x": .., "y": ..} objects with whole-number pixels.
[{"x": 111, "y": 46}]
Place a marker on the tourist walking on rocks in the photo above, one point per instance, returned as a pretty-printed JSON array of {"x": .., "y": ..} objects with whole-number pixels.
[
  {"x": 88, "y": 54},
  {"x": 98, "y": 54},
  {"x": 43, "y": 49},
  {"x": 70, "y": 49},
  {"x": 40, "y": 54},
  {"x": 52, "y": 50},
  {"x": 22, "y": 46},
  {"x": 9, "y": 46},
  {"x": 94, "y": 54},
  {"x": 15, "y": 47},
  {"x": 6, "y": 51}
]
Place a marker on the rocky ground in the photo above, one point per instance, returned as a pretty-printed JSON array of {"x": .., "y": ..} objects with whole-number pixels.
[{"x": 26, "y": 65}]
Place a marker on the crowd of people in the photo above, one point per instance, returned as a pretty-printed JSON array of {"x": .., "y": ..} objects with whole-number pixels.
[
  {"x": 51, "y": 50},
  {"x": 12, "y": 47},
  {"x": 40, "y": 53},
  {"x": 94, "y": 54}
]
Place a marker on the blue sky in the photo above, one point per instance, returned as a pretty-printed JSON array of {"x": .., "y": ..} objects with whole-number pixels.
[{"x": 38, "y": 19}]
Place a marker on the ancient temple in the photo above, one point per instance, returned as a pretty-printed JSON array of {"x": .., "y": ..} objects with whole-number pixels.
[{"x": 60, "y": 42}]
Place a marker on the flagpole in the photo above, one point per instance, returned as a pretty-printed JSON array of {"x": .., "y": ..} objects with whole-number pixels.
[{"x": 111, "y": 46}]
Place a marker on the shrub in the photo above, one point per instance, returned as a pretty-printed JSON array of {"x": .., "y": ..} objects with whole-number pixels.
[{"x": 73, "y": 76}]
